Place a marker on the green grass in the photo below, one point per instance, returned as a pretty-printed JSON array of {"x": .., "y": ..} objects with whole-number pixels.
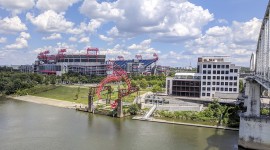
[{"x": 69, "y": 94}]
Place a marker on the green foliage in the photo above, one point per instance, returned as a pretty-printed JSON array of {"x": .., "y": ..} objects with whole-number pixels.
[
  {"x": 133, "y": 109},
  {"x": 265, "y": 111},
  {"x": 241, "y": 86},
  {"x": 143, "y": 84},
  {"x": 214, "y": 113},
  {"x": 156, "y": 88}
]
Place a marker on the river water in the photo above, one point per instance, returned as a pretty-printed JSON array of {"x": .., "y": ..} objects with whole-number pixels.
[{"x": 29, "y": 126}]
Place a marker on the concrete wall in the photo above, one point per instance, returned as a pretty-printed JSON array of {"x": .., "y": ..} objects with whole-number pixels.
[{"x": 254, "y": 132}]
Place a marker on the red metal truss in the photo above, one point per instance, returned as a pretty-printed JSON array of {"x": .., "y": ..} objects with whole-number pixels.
[{"x": 117, "y": 74}]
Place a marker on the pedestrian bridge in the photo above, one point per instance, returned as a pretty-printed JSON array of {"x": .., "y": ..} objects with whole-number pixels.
[{"x": 254, "y": 131}]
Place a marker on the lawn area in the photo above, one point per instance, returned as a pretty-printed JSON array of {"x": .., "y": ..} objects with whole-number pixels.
[{"x": 69, "y": 94}]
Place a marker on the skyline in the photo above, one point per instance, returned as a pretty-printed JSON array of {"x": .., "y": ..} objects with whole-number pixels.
[{"x": 179, "y": 31}]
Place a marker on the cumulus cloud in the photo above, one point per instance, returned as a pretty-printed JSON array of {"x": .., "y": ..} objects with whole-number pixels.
[
  {"x": 84, "y": 40},
  {"x": 11, "y": 25},
  {"x": 3, "y": 40},
  {"x": 72, "y": 39},
  {"x": 166, "y": 20},
  {"x": 238, "y": 40},
  {"x": 50, "y": 21},
  {"x": 142, "y": 46},
  {"x": 17, "y": 6},
  {"x": 105, "y": 38},
  {"x": 91, "y": 27},
  {"x": 53, "y": 36},
  {"x": 117, "y": 50},
  {"x": 55, "y": 5},
  {"x": 21, "y": 41}
]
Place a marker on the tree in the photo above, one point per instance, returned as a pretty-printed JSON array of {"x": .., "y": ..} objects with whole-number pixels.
[
  {"x": 133, "y": 109},
  {"x": 241, "y": 86},
  {"x": 156, "y": 88},
  {"x": 143, "y": 83}
]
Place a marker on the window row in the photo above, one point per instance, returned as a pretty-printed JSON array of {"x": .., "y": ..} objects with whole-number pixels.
[
  {"x": 220, "y": 71},
  {"x": 216, "y": 66},
  {"x": 220, "y": 83},
  {"x": 220, "y": 77},
  {"x": 219, "y": 89}
]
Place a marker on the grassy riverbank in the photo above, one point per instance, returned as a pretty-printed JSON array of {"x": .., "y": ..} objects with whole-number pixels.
[{"x": 80, "y": 94}]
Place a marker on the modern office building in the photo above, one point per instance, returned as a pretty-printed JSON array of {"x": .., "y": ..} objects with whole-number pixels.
[{"x": 218, "y": 78}]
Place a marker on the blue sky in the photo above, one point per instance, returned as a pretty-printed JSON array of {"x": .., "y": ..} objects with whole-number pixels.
[{"x": 179, "y": 31}]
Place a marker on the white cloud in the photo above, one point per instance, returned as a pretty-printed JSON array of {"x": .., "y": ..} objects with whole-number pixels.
[
  {"x": 3, "y": 40},
  {"x": 84, "y": 40},
  {"x": 50, "y": 21},
  {"x": 105, "y": 38},
  {"x": 12, "y": 25},
  {"x": 53, "y": 36},
  {"x": 72, "y": 39},
  {"x": 142, "y": 46},
  {"x": 17, "y": 6},
  {"x": 55, "y": 5},
  {"x": 117, "y": 50},
  {"x": 238, "y": 40},
  {"x": 91, "y": 27},
  {"x": 21, "y": 41},
  {"x": 166, "y": 20}
]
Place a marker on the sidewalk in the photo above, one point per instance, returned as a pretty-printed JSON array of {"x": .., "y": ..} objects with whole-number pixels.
[{"x": 49, "y": 101}]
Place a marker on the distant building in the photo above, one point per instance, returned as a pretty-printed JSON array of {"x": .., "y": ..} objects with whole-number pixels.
[{"x": 217, "y": 76}]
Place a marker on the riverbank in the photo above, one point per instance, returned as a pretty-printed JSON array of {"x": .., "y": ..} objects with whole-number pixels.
[
  {"x": 181, "y": 123},
  {"x": 48, "y": 101}
]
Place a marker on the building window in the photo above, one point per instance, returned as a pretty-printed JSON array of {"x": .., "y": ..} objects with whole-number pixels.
[
  {"x": 218, "y": 72},
  {"x": 226, "y": 83},
  {"x": 222, "y": 77},
  {"x": 208, "y": 83},
  {"x": 235, "y": 70},
  {"x": 218, "y": 77},
  {"x": 230, "y": 83},
  {"x": 203, "y": 94},
  {"x": 203, "y": 88},
  {"x": 222, "y": 72},
  {"x": 227, "y": 66},
  {"x": 222, "y": 83},
  {"x": 214, "y": 77},
  {"x": 208, "y": 89},
  {"x": 235, "y": 78},
  {"x": 214, "y": 72},
  {"x": 213, "y": 89},
  {"x": 204, "y": 77},
  {"x": 209, "y": 77},
  {"x": 231, "y": 78},
  {"x": 214, "y": 83},
  {"x": 204, "y": 83},
  {"x": 230, "y": 89},
  {"x": 218, "y": 66},
  {"x": 209, "y": 66},
  {"x": 221, "y": 89},
  {"x": 204, "y": 72},
  {"x": 218, "y": 83},
  {"x": 231, "y": 70},
  {"x": 234, "y": 89},
  {"x": 204, "y": 66},
  {"x": 227, "y": 72},
  {"x": 217, "y": 89},
  {"x": 208, "y": 94},
  {"x": 214, "y": 66},
  {"x": 235, "y": 83},
  {"x": 222, "y": 66},
  {"x": 209, "y": 72},
  {"x": 226, "y": 78},
  {"x": 226, "y": 89}
]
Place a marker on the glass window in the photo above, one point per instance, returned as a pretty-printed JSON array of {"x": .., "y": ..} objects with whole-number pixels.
[
  {"x": 218, "y": 77},
  {"x": 209, "y": 77},
  {"x": 222, "y": 72},
  {"x": 204, "y": 83},
  {"x": 214, "y": 72},
  {"x": 226, "y": 78},
  {"x": 234, "y": 89},
  {"x": 204, "y": 66},
  {"x": 235, "y": 83},
  {"x": 226, "y": 83},
  {"x": 217, "y": 88},
  {"x": 231, "y": 78},
  {"x": 214, "y": 77},
  {"x": 204, "y": 72},
  {"x": 218, "y": 66},
  {"x": 208, "y": 89},
  {"x": 227, "y": 66},
  {"x": 204, "y": 77},
  {"x": 203, "y": 94},
  {"x": 208, "y": 94},
  {"x": 235, "y": 78},
  {"x": 230, "y": 89},
  {"x": 231, "y": 70},
  {"x": 222, "y": 89},
  {"x": 218, "y": 72},
  {"x": 203, "y": 88},
  {"x": 227, "y": 72},
  {"x": 208, "y": 83},
  {"x": 230, "y": 84},
  {"x": 235, "y": 70},
  {"x": 214, "y": 66},
  {"x": 209, "y": 72},
  {"x": 209, "y": 66},
  {"x": 222, "y": 66},
  {"x": 218, "y": 83},
  {"x": 222, "y": 83},
  {"x": 214, "y": 83},
  {"x": 213, "y": 89},
  {"x": 222, "y": 77}
]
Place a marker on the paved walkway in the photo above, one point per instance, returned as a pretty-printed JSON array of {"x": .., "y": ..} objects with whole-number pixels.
[{"x": 49, "y": 101}]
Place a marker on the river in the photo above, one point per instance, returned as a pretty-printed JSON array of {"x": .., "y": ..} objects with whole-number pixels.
[{"x": 29, "y": 126}]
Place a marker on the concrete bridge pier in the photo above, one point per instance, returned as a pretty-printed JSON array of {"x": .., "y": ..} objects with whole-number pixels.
[
  {"x": 90, "y": 103},
  {"x": 120, "y": 108},
  {"x": 254, "y": 131}
]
